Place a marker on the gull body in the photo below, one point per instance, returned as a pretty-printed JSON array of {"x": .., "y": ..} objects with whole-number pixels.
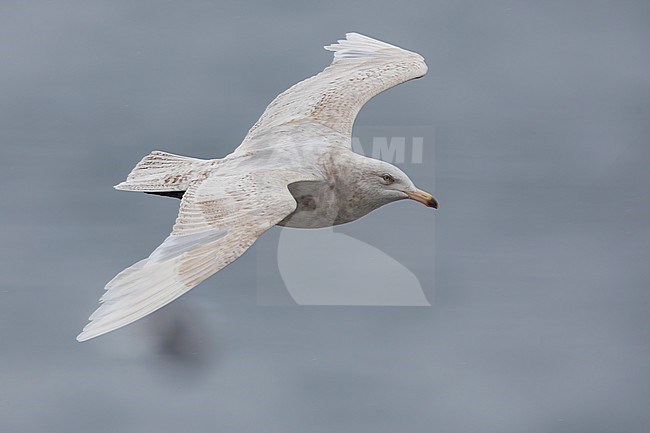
[{"x": 295, "y": 168}]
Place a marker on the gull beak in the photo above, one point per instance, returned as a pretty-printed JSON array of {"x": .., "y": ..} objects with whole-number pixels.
[{"x": 423, "y": 197}]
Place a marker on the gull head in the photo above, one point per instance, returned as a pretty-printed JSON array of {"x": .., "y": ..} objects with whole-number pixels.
[{"x": 385, "y": 183}]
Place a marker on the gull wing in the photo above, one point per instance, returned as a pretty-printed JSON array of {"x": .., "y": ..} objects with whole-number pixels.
[
  {"x": 219, "y": 219},
  {"x": 362, "y": 68}
]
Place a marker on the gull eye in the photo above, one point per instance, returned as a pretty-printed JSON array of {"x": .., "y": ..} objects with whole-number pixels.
[{"x": 388, "y": 179}]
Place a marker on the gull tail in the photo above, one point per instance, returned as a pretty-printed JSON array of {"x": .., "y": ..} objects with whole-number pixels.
[{"x": 164, "y": 173}]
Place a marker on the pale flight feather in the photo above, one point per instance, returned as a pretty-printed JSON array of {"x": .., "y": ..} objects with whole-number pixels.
[
  {"x": 215, "y": 225},
  {"x": 362, "y": 68}
]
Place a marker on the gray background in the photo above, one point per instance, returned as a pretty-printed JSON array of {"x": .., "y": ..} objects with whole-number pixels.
[{"x": 540, "y": 319}]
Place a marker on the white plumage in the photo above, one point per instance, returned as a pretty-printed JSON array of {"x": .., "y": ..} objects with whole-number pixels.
[
  {"x": 362, "y": 68},
  {"x": 294, "y": 168}
]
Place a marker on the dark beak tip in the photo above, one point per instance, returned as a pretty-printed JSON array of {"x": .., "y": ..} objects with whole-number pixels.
[{"x": 423, "y": 197}]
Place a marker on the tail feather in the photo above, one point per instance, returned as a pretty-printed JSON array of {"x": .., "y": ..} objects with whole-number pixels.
[{"x": 162, "y": 171}]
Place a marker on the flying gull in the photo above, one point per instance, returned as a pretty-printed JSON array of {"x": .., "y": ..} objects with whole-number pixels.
[{"x": 295, "y": 168}]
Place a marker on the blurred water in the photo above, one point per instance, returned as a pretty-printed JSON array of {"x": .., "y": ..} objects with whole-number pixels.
[{"x": 540, "y": 321}]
